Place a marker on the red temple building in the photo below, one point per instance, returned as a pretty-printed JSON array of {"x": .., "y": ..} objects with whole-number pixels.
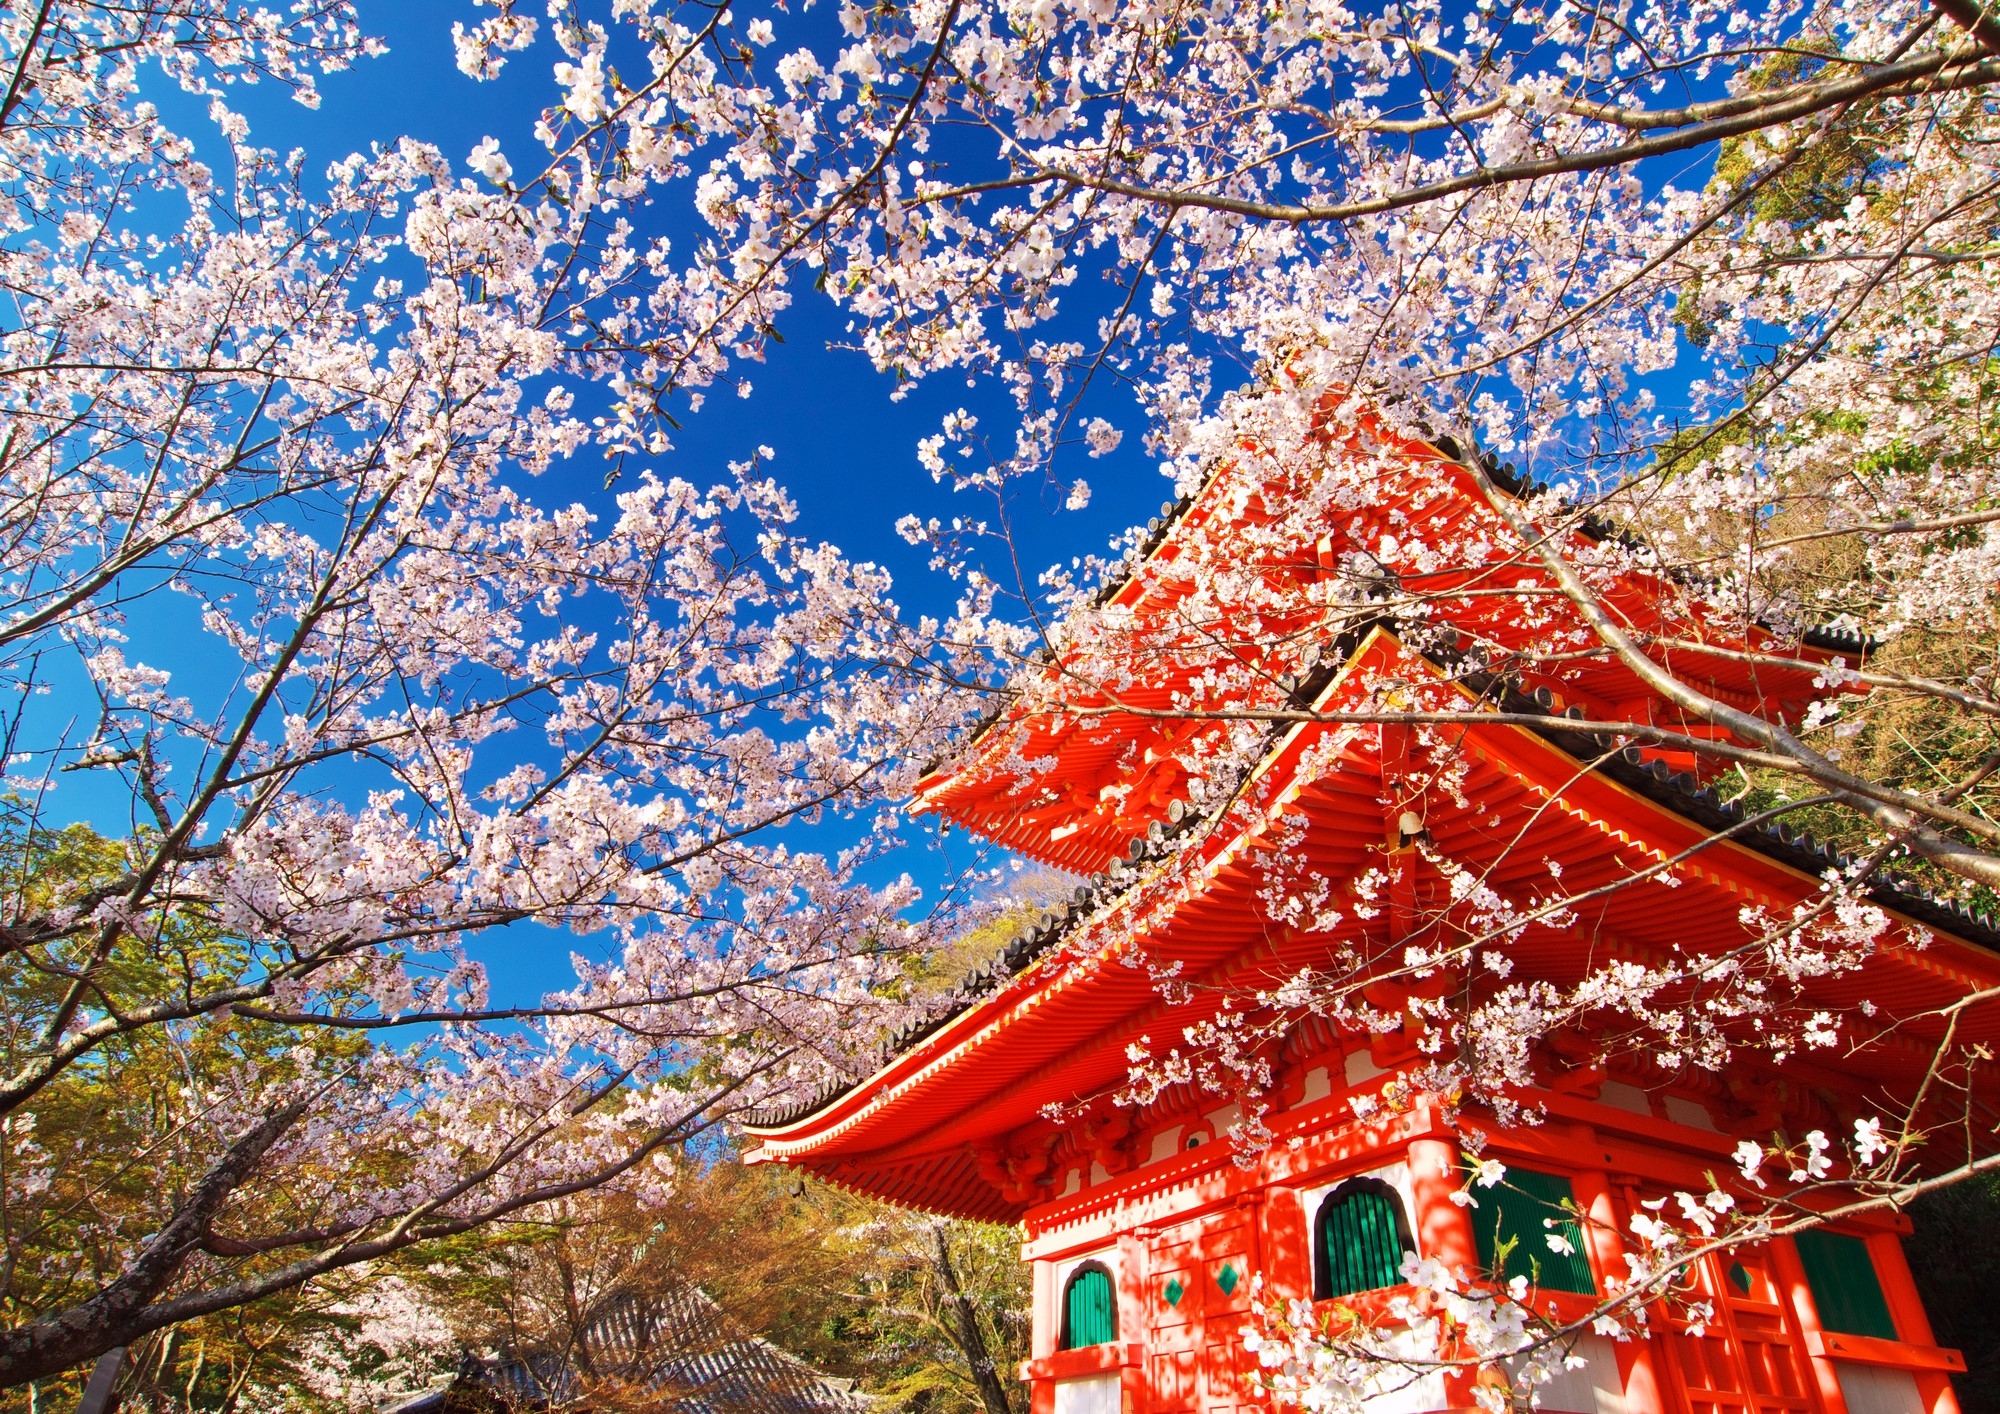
[{"x": 1142, "y": 1227}]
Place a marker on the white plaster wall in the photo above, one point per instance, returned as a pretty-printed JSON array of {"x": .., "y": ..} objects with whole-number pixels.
[
  {"x": 1595, "y": 1389},
  {"x": 1360, "y": 1068},
  {"x": 1877, "y": 1389},
  {"x": 1096, "y": 1395},
  {"x": 1318, "y": 1085},
  {"x": 1692, "y": 1113},
  {"x": 1620, "y": 1096},
  {"x": 1041, "y": 1341}
]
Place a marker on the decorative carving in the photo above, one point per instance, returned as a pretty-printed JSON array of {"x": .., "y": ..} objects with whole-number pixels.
[
  {"x": 1105, "y": 1140},
  {"x": 1019, "y": 1171}
]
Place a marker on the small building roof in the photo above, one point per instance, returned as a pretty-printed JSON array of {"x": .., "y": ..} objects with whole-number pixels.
[{"x": 682, "y": 1348}]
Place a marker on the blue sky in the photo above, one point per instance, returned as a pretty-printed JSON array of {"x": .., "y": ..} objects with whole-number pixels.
[{"x": 844, "y": 449}]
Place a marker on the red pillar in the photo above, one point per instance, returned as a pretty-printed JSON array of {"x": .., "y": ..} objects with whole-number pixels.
[
  {"x": 1906, "y": 1308},
  {"x": 1444, "y": 1229},
  {"x": 1133, "y": 1336},
  {"x": 1444, "y": 1233},
  {"x": 1637, "y": 1359},
  {"x": 1287, "y": 1246}
]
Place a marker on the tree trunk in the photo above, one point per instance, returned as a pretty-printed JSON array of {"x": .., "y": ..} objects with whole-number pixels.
[
  {"x": 1971, "y": 17},
  {"x": 97, "y": 1396},
  {"x": 116, "y": 1315},
  {"x": 971, "y": 1339}
]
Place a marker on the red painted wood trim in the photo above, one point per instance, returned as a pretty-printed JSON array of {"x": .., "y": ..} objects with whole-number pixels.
[
  {"x": 1090, "y": 1360},
  {"x": 1868, "y": 1350},
  {"x": 1796, "y": 1292}
]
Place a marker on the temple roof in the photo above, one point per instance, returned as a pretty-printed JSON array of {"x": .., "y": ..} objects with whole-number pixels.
[
  {"x": 681, "y": 1349},
  {"x": 1108, "y": 729},
  {"x": 1094, "y": 768},
  {"x": 928, "y": 1129}
]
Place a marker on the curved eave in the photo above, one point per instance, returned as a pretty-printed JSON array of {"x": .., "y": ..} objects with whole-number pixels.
[
  {"x": 882, "y": 1135},
  {"x": 833, "y": 1124},
  {"x": 845, "y": 1125}
]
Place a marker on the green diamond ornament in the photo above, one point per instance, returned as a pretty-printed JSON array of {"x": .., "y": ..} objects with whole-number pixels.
[
  {"x": 1739, "y": 1277},
  {"x": 1227, "y": 1278},
  {"x": 1175, "y": 1291}
]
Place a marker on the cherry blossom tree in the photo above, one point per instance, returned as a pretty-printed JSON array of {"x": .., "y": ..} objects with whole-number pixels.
[
  {"x": 1715, "y": 276},
  {"x": 280, "y": 577},
  {"x": 1517, "y": 230},
  {"x": 1714, "y": 280}
]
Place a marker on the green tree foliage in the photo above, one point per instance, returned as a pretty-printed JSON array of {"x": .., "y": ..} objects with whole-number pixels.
[
  {"x": 932, "y": 1315},
  {"x": 928, "y": 1314},
  {"x": 1800, "y": 546},
  {"x": 100, "y": 1156},
  {"x": 1955, "y": 1256}
]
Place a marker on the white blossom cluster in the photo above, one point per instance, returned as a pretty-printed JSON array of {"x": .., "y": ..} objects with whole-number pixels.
[{"x": 269, "y": 446}]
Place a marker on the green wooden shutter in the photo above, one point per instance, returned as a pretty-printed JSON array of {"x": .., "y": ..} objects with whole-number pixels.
[
  {"x": 1528, "y": 1207},
  {"x": 1361, "y": 1242},
  {"x": 1844, "y": 1286},
  {"x": 1089, "y": 1317}
]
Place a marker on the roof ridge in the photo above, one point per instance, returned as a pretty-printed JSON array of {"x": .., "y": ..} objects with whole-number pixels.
[{"x": 1516, "y": 483}]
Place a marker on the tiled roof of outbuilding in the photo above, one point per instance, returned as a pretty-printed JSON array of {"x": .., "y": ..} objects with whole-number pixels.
[{"x": 683, "y": 1347}]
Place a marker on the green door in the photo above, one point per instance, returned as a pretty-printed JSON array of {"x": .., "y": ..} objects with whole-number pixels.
[
  {"x": 1360, "y": 1239},
  {"x": 1090, "y": 1314},
  {"x": 1521, "y": 1214},
  {"x": 1844, "y": 1286}
]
